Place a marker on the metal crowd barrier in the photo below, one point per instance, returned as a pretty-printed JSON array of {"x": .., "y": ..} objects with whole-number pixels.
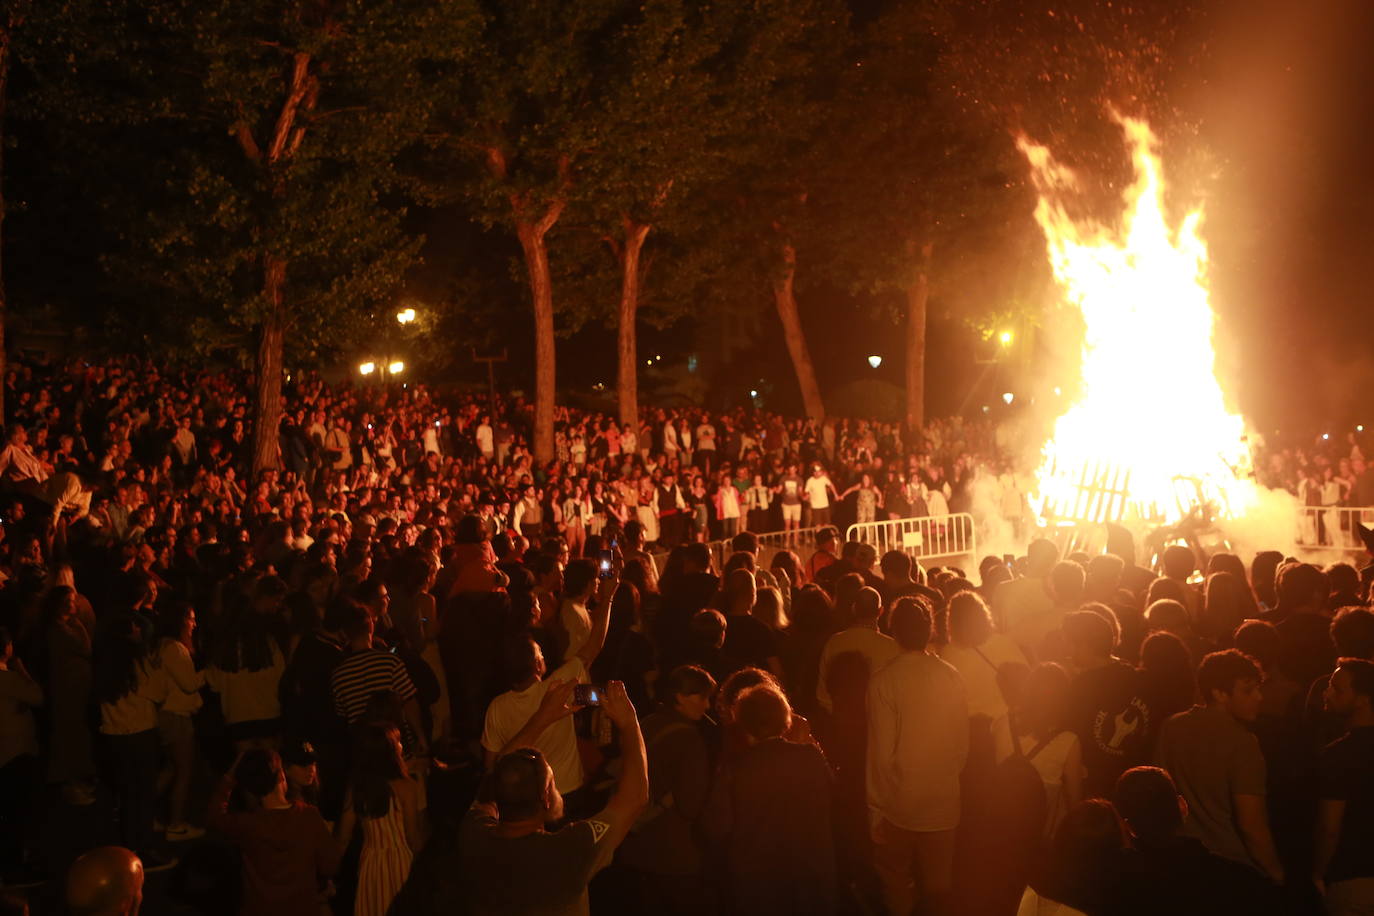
[
  {"x": 1333, "y": 527},
  {"x": 928, "y": 537},
  {"x": 801, "y": 541}
]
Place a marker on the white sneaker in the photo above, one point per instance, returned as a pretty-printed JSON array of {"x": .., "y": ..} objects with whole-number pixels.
[{"x": 180, "y": 833}]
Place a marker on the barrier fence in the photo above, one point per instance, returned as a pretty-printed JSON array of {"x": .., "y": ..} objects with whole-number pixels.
[
  {"x": 928, "y": 537},
  {"x": 939, "y": 536},
  {"x": 948, "y": 536},
  {"x": 800, "y": 540},
  {"x": 1333, "y": 527}
]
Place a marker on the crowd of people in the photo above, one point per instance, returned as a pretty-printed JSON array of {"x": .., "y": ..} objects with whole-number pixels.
[{"x": 413, "y": 670}]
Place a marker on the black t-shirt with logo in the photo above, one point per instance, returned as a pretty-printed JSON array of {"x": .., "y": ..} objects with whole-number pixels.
[{"x": 1111, "y": 717}]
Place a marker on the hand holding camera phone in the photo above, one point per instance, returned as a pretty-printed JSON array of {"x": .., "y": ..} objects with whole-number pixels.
[{"x": 587, "y": 695}]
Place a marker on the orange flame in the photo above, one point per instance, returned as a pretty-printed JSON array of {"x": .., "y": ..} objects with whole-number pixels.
[{"x": 1150, "y": 437}]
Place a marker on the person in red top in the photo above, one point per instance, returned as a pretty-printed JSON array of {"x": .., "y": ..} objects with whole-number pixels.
[{"x": 288, "y": 852}]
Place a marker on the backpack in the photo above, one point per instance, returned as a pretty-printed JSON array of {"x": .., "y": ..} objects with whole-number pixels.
[{"x": 1005, "y": 836}]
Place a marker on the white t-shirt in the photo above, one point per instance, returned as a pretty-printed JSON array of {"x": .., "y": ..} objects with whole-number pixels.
[
  {"x": 816, "y": 493},
  {"x": 510, "y": 711},
  {"x": 484, "y": 439},
  {"x": 729, "y": 502},
  {"x": 917, "y": 743},
  {"x": 578, "y": 624}
]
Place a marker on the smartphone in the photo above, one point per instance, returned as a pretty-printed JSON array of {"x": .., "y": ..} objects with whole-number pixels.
[
  {"x": 587, "y": 695},
  {"x": 604, "y": 564}
]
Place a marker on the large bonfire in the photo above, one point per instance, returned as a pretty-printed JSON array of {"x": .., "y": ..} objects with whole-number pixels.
[{"x": 1150, "y": 440}]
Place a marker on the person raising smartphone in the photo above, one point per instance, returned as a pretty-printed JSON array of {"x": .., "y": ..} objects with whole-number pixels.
[{"x": 512, "y": 860}]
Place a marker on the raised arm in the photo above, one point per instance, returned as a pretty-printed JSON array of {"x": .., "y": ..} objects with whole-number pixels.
[
  {"x": 600, "y": 611},
  {"x": 632, "y": 789}
]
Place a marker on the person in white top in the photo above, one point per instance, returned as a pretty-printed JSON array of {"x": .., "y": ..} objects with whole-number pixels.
[
  {"x": 978, "y": 653},
  {"x": 819, "y": 491},
  {"x": 510, "y": 711},
  {"x": 175, "y": 727},
  {"x": 917, "y": 744},
  {"x": 579, "y": 582},
  {"x": 863, "y": 637},
  {"x": 486, "y": 440}
]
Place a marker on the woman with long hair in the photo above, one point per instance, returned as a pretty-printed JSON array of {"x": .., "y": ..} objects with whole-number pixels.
[
  {"x": 176, "y": 628},
  {"x": 130, "y": 685},
  {"x": 246, "y": 665},
  {"x": 1224, "y": 608},
  {"x": 384, "y": 800},
  {"x": 1230, "y": 563},
  {"x": 1166, "y": 675},
  {"x": 813, "y": 622}
]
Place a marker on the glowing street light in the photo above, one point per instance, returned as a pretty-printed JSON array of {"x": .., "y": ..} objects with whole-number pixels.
[
  {"x": 405, "y": 316},
  {"x": 367, "y": 368},
  {"x": 875, "y": 361},
  {"x": 396, "y": 367},
  {"x": 1005, "y": 338}
]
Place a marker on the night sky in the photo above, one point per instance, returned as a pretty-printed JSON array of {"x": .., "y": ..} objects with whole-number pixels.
[{"x": 1290, "y": 108}]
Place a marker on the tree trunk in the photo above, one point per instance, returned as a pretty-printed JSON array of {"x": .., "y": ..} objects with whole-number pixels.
[
  {"x": 545, "y": 370},
  {"x": 786, "y": 302},
  {"x": 6, "y": 36},
  {"x": 627, "y": 353},
  {"x": 271, "y": 336},
  {"x": 917, "y": 295}
]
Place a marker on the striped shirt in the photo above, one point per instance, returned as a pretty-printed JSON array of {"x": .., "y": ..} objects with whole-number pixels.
[{"x": 361, "y": 675}]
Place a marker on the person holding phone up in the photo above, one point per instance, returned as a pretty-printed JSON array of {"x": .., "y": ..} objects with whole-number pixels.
[
  {"x": 524, "y": 660},
  {"x": 511, "y": 862}
]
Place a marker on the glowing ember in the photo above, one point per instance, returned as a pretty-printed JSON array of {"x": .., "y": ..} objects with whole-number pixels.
[{"x": 1150, "y": 436}]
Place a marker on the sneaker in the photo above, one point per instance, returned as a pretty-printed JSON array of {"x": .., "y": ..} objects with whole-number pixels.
[
  {"x": 154, "y": 861},
  {"x": 180, "y": 833}
]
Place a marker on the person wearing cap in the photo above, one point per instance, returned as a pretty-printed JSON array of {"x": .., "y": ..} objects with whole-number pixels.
[
  {"x": 301, "y": 764},
  {"x": 511, "y": 858}
]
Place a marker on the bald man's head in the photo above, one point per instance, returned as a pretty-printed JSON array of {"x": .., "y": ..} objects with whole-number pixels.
[{"x": 107, "y": 881}]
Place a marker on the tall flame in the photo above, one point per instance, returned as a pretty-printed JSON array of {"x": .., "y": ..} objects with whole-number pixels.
[{"x": 1150, "y": 437}]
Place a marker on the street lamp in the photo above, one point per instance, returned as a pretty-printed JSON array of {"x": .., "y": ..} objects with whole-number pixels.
[
  {"x": 367, "y": 368},
  {"x": 405, "y": 316},
  {"x": 875, "y": 361},
  {"x": 396, "y": 367},
  {"x": 1005, "y": 338}
]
